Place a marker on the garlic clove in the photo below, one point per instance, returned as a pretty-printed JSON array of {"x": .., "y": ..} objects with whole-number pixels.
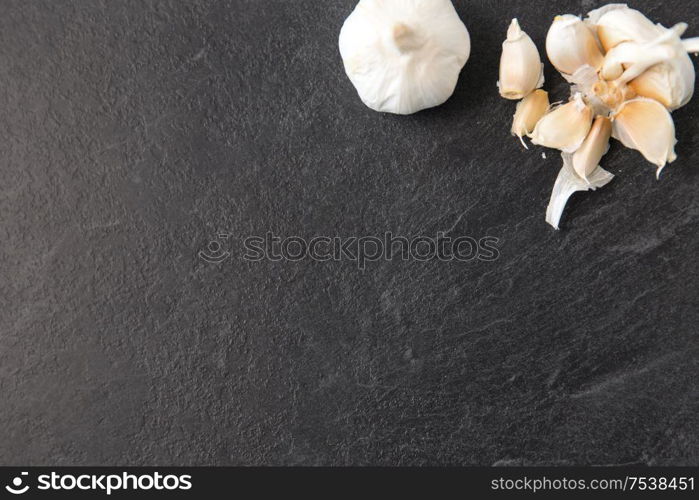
[
  {"x": 529, "y": 111},
  {"x": 403, "y": 57},
  {"x": 670, "y": 83},
  {"x": 646, "y": 126},
  {"x": 617, "y": 23},
  {"x": 570, "y": 44},
  {"x": 586, "y": 159},
  {"x": 521, "y": 69},
  {"x": 565, "y": 127},
  {"x": 567, "y": 183}
]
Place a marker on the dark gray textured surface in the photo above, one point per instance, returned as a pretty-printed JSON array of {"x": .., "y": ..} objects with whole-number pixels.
[{"x": 133, "y": 132}]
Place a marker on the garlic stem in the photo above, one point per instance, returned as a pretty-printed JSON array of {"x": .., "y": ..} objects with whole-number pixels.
[
  {"x": 675, "y": 32},
  {"x": 691, "y": 45},
  {"x": 637, "y": 58}
]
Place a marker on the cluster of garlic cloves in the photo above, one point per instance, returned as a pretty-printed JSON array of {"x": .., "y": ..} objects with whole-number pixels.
[{"x": 627, "y": 75}]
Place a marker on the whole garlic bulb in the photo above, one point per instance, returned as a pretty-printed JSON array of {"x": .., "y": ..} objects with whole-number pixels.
[{"x": 404, "y": 55}]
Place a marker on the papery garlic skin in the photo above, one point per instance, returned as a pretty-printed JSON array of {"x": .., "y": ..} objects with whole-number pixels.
[
  {"x": 521, "y": 69},
  {"x": 570, "y": 44},
  {"x": 528, "y": 113},
  {"x": 586, "y": 159},
  {"x": 646, "y": 126},
  {"x": 404, "y": 56},
  {"x": 565, "y": 127},
  {"x": 567, "y": 183}
]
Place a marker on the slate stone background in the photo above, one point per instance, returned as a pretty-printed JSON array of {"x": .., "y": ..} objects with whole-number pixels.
[{"x": 133, "y": 132}]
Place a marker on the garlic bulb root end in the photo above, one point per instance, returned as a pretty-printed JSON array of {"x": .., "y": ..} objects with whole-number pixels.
[{"x": 405, "y": 38}]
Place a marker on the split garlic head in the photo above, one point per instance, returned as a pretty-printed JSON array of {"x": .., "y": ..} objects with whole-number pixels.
[
  {"x": 627, "y": 75},
  {"x": 404, "y": 55},
  {"x": 651, "y": 59}
]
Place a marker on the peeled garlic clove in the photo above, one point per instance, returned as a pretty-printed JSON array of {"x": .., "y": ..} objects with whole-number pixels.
[
  {"x": 529, "y": 112},
  {"x": 567, "y": 183},
  {"x": 570, "y": 45},
  {"x": 565, "y": 127},
  {"x": 617, "y": 23},
  {"x": 403, "y": 57},
  {"x": 670, "y": 83},
  {"x": 521, "y": 69},
  {"x": 586, "y": 159},
  {"x": 646, "y": 126}
]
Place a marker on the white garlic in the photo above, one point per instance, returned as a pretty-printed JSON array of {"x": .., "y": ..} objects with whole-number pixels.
[
  {"x": 570, "y": 44},
  {"x": 629, "y": 60},
  {"x": 567, "y": 183},
  {"x": 404, "y": 56},
  {"x": 627, "y": 74},
  {"x": 651, "y": 59},
  {"x": 528, "y": 113},
  {"x": 646, "y": 126},
  {"x": 565, "y": 127},
  {"x": 521, "y": 69}
]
